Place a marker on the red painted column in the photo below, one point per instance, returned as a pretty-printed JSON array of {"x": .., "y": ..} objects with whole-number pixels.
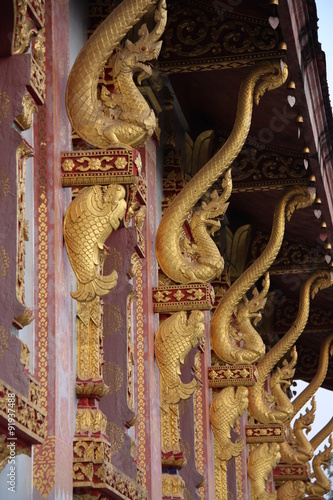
[{"x": 53, "y": 462}]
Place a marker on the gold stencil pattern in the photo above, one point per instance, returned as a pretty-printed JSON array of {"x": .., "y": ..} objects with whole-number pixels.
[
  {"x": 113, "y": 376},
  {"x": 3, "y": 340},
  {"x": 113, "y": 319},
  {"x": 239, "y": 476},
  {"x": 4, "y": 183},
  {"x": 141, "y": 376},
  {"x": 198, "y": 426},
  {"x": 4, "y": 105},
  {"x": 114, "y": 260},
  {"x": 116, "y": 437},
  {"x": 4, "y": 262},
  {"x": 42, "y": 297},
  {"x": 44, "y": 466}
]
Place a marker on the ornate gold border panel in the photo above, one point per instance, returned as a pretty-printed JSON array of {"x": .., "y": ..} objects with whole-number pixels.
[
  {"x": 287, "y": 472},
  {"x": 29, "y": 417},
  {"x": 320, "y": 320},
  {"x": 92, "y": 468},
  {"x": 28, "y": 30},
  {"x": 22, "y": 154},
  {"x": 201, "y": 37},
  {"x": 227, "y": 375},
  {"x": 260, "y": 433},
  {"x": 173, "y": 298},
  {"x": 114, "y": 165},
  {"x": 295, "y": 256}
]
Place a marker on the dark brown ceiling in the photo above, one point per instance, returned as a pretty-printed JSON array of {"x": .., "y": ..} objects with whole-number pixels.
[{"x": 208, "y": 100}]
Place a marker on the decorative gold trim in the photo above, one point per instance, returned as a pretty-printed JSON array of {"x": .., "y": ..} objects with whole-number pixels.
[
  {"x": 140, "y": 359},
  {"x": 261, "y": 433},
  {"x": 227, "y": 375},
  {"x": 22, "y": 154},
  {"x": 29, "y": 417},
  {"x": 173, "y": 486},
  {"x": 174, "y": 298}
]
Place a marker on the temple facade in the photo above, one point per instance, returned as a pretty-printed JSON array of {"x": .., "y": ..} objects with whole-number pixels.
[{"x": 166, "y": 197}]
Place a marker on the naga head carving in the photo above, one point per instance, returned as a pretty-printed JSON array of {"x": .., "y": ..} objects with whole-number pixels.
[
  {"x": 283, "y": 376},
  {"x": 321, "y": 280},
  {"x": 136, "y": 57},
  {"x": 301, "y": 197},
  {"x": 252, "y": 309},
  {"x": 305, "y": 421},
  {"x": 323, "y": 457},
  {"x": 274, "y": 75},
  {"x": 208, "y": 212}
]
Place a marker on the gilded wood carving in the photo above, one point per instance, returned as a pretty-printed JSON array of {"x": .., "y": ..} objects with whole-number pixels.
[
  {"x": 89, "y": 220},
  {"x": 123, "y": 117}
]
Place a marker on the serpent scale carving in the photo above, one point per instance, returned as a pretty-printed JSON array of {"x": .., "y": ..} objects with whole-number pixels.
[
  {"x": 174, "y": 339},
  {"x": 298, "y": 448},
  {"x": 318, "y": 379},
  {"x": 322, "y": 434},
  {"x": 322, "y": 484},
  {"x": 123, "y": 117},
  {"x": 264, "y": 76},
  {"x": 261, "y": 462},
  {"x": 222, "y": 341},
  {"x": 258, "y": 407},
  {"x": 291, "y": 490},
  {"x": 226, "y": 408},
  {"x": 89, "y": 220}
]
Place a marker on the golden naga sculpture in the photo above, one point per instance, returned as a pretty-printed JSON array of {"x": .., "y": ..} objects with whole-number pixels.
[
  {"x": 174, "y": 339},
  {"x": 203, "y": 250},
  {"x": 322, "y": 484},
  {"x": 291, "y": 490},
  {"x": 221, "y": 331},
  {"x": 259, "y": 407},
  {"x": 319, "y": 378},
  {"x": 264, "y": 76},
  {"x": 262, "y": 460},
  {"x": 298, "y": 448},
  {"x": 123, "y": 117},
  {"x": 90, "y": 218},
  {"x": 322, "y": 434},
  {"x": 226, "y": 408}
]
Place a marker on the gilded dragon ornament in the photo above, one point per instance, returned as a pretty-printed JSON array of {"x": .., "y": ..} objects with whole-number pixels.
[
  {"x": 291, "y": 490},
  {"x": 322, "y": 484},
  {"x": 122, "y": 117},
  {"x": 174, "y": 339},
  {"x": 262, "y": 77},
  {"x": 226, "y": 408},
  {"x": 282, "y": 410},
  {"x": 222, "y": 329},
  {"x": 262, "y": 460},
  {"x": 89, "y": 220},
  {"x": 297, "y": 448}
]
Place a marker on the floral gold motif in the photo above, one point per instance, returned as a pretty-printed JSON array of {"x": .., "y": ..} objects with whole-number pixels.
[
  {"x": 4, "y": 183},
  {"x": 4, "y": 262},
  {"x": 44, "y": 467},
  {"x": 4, "y": 105},
  {"x": 4, "y": 339}
]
